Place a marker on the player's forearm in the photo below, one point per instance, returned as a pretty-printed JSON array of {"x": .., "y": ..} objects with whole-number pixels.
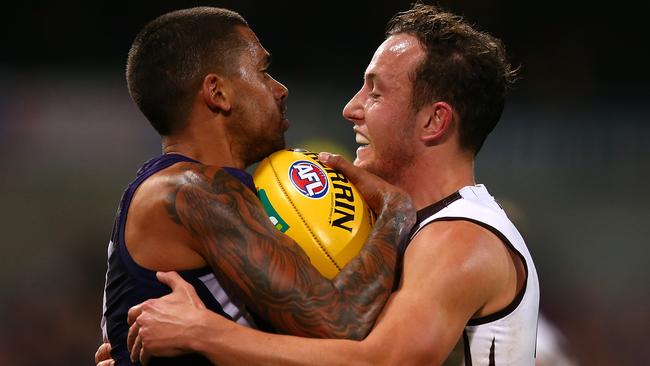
[
  {"x": 366, "y": 282},
  {"x": 348, "y": 306},
  {"x": 227, "y": 343}
]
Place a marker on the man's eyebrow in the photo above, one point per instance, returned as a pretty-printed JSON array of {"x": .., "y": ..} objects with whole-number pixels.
[
  {"x": 371, "y": 78},
  {"x": 268, "y": 59}
]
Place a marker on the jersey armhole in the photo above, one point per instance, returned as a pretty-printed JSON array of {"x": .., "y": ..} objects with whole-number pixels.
[{"x": 520, "y": 295}]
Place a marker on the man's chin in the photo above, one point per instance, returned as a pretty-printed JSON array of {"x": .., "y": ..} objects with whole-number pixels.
[
  {"x": 276, "y": 145},
  {"x": 281, "y": 144},
  {"x": 262, "y": 153}
]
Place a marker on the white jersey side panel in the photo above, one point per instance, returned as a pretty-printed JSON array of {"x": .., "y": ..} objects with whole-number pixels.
[
  {"x": 507, "y": 337},
  {"x": 235, "y": 309}
]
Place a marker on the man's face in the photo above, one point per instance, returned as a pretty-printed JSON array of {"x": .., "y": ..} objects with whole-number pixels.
[
  {"x": 259, "y": 103},
  {"x": 381, "y": 110}
]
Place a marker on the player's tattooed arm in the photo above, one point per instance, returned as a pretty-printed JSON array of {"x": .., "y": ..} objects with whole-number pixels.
[{"x": 272, "y": 274}]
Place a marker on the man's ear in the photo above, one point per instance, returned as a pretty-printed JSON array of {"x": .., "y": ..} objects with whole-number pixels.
[
  {"x": 215, "y": 93},
  {"x": 437, "y": 121}
]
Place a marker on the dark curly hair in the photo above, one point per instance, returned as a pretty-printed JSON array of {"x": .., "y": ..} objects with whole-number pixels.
[{"x": 463, "y": 66}]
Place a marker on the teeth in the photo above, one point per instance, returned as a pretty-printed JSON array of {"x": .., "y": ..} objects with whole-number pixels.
[{"x": 361, "y": 139}]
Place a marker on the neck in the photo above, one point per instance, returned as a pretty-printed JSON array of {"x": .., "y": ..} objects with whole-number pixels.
[
  {"x": 430, "y": 180},
  {"x": 205, "y": 143}
]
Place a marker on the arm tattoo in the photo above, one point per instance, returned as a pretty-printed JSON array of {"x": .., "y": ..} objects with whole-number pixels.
[{"x": 272, "y": 274}]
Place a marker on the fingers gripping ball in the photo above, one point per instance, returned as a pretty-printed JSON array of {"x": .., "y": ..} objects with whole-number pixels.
[{"x": 316, "y": 206}]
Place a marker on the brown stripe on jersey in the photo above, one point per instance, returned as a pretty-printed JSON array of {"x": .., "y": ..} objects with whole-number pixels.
[
  {"x": 468, "y": 353},
  {"x": 492, "y": 354}
]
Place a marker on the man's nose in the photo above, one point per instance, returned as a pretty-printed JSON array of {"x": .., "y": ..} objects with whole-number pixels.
[{"x": 353, "y": 110}]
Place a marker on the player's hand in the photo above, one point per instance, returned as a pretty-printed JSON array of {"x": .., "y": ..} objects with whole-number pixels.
[
  {"x": 377, "y": 192},
  {"x": 159, "y": 327},
  {"x": 103, "y": 355}
]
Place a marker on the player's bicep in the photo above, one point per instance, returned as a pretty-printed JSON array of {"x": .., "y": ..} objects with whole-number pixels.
[
  {"x": 218, "y": 205},
  {"x": 231, "y": 229},
  {"x": 441, "y": 289},
  {"x": 421, "y": 326}
]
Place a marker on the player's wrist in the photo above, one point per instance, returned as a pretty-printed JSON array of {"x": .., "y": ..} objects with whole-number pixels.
[
  {"x": 205, "y": 335},
  {"x": 397, "y": 212}
]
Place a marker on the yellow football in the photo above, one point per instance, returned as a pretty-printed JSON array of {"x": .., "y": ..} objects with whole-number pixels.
[{"x": 315, "y": 205}]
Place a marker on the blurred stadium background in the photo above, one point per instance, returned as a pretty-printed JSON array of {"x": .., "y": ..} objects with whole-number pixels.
[{"x": 569, "y": 160}]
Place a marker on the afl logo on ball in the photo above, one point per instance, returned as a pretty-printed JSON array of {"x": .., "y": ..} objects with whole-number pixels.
[{"x": 309, "y": 179}]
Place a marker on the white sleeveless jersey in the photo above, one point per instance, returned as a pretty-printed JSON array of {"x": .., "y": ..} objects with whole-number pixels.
[{"x": 507, "y": 337}]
